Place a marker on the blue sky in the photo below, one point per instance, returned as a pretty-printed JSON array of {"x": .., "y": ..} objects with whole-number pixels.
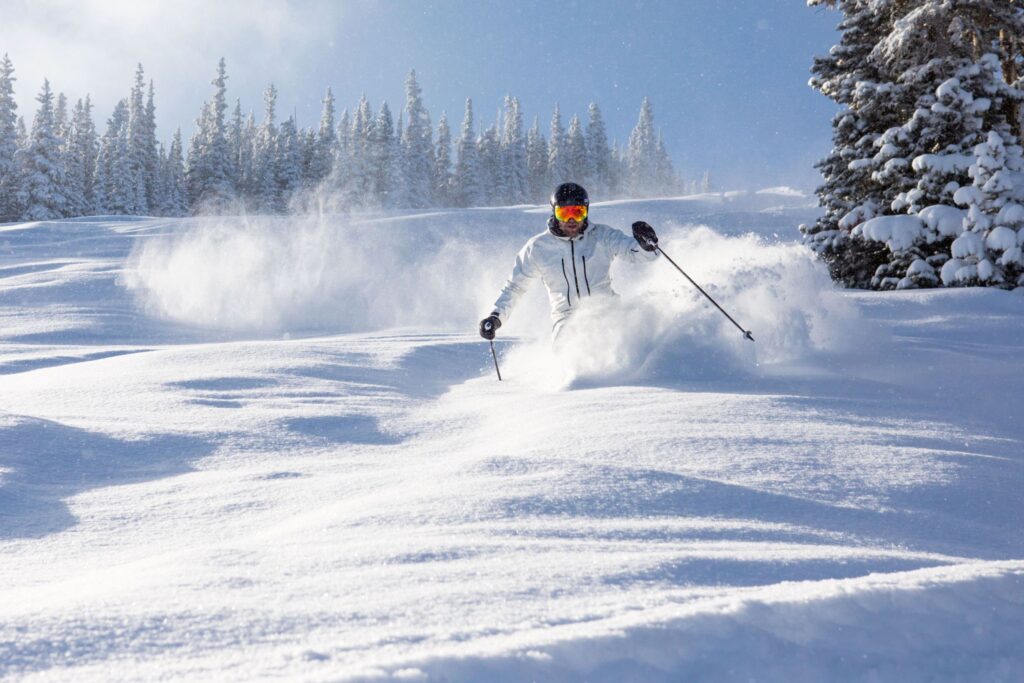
[{"x": 728, "y": 80}]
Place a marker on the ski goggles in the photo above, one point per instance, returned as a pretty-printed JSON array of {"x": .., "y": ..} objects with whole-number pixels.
[{"x": 567, "y": 213}]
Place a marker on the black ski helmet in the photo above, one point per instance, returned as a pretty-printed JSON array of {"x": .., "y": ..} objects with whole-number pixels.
[{"x": 568, "y": 194}]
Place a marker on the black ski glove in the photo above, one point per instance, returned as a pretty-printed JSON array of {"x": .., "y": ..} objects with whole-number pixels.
[
  {"x": 644, "y": 234},
  {"x": 489, "y": 325}
]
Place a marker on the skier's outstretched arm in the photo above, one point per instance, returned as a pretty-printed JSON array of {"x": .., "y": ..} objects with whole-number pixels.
[
  {"x": 641, "y": 247},
  {"x": 518, "y": 282}
]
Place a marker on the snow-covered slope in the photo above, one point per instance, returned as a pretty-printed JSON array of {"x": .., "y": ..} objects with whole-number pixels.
[{"x": 240, "y": 449}]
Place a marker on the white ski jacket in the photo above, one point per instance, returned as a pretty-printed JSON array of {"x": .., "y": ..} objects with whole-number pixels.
[{"x": 571, "y": 269}]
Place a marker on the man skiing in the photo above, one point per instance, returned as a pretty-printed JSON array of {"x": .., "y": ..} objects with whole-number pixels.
[{"x": 572, "y": 257}]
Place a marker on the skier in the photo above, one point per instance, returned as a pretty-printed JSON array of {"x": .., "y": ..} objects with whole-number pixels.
[{"x": 572, "y": 257}]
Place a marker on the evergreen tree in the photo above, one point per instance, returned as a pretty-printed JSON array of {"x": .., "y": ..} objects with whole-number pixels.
[
  {"x": 514, "y": 182},
  {"x": 363, "y": 156},
  {"x": 173, "y": 180},
  {"x": 80, "y": 160},
  {"x": 115, "y": 188},
  {"x": 237, "y": 154},
  {"x": 538, "y": 180},
  {"x": 195, "y": 162},
  {"x": 557, "y": 170},
  {"x": 922, "y": 84},
  {"x": 322, "y": 151},
  {"x": 489, "y": 155},
  {"x": 667, "y": 182},
  {"x": 418, "y": 148},
  {"x": 40, "y": 165},
  {"x": 988, "y": 252},
  {"x": 576, "y": 163},
  {"x": 138, "y": 140},
  {"x": 387, "y": 154},
  {"x": 209, "y": 164},
  {"x": 443, "y": 178},
  {"x": 247, "y": 159},
  {"x": 265, "y": 185},
  {"x": 287, "y": 165},
  {"x": 619, "y": 170},
  {"x": 150, "y": 150},
  {"x": 599, "y": 155},
  {"x": 307, "y": 145},
  {"x": 468, "y": 188},
  {"x": 869, "y": 105},
  {"x": 341, "y": 167},
  {"x": 9, "y": 178},
  {"x": 21, "y": 133},
  {"x": 643, "y": 154},
  {"x": 61, "y": 122}
]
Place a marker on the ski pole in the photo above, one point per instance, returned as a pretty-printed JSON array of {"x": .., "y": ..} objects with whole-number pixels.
[
  {"x": 495, "y": 357},
  {"x": 746, "y": 333}
]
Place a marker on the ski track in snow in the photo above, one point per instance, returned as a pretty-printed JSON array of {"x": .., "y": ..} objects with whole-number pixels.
[{"x": 201, "y": 479}]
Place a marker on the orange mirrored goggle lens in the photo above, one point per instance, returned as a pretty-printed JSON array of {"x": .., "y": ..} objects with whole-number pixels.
[{"x": 566, "y": 213}]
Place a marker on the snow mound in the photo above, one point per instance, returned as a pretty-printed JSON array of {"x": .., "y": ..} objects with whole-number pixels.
[
  {"x": 662, "y": 329},
  {"x": 898, "y": 624}
]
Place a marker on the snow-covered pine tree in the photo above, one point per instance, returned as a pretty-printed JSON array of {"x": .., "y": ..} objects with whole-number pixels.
[
  {"x": 22, "y": 132},
  {"x": 137, "y": 145},
  {"x": 417, "y": 148},
  {"x": 209, "y": 172},
  {"x": 577, "y": 165},
  {"x": 513, "y": 151},
  {"x": 42, "y": 171},
  {"x": 157, "y": 209},
  {"x": 557, "y": 168},
  {"x": 363, "y": 156},
  {"x": 489, "y": 153},
  {"x": 988, "y": 252},
  {"x": 9, "y": 178},
  {"x": 150, "y": 149},
  {"x": 80, "y": 160},
  {"x": 387, "y": 154},
  {"x": 619, "y": 170},
  {"x": 173, "y": 180},
  {"x": 61, "y": 121},
  {"x": 467, "y": 187},
  {"x": 246, "y": 177},
  {"x": 538, "y": 181},
  {"x": 920, "y": 91},
  {"x": 264, "y": 184},
  {"x": 667, "y": 181},
  {"x": 307, "y": 147},
  {"x": 959, "y": 94},
  {"x": 599, "y": 155},
  {"x": 195, "y": 160},
  {"x": 287, "y": 165},
  {"x": 442, "y": 176},
  {"x": 643, "y": 153},
  {"x": 869, "y": 105},
  {"x": 341, "y": 166},
  {"x": 115, "y": 188},
  {"x": 236, "y": 150},
  {"x": 322, "y": 153}
]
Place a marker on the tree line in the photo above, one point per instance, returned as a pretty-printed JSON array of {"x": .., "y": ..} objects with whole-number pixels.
[
  {"x": 924, "y": 185},
  {"x": 62, "y": 166}
]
